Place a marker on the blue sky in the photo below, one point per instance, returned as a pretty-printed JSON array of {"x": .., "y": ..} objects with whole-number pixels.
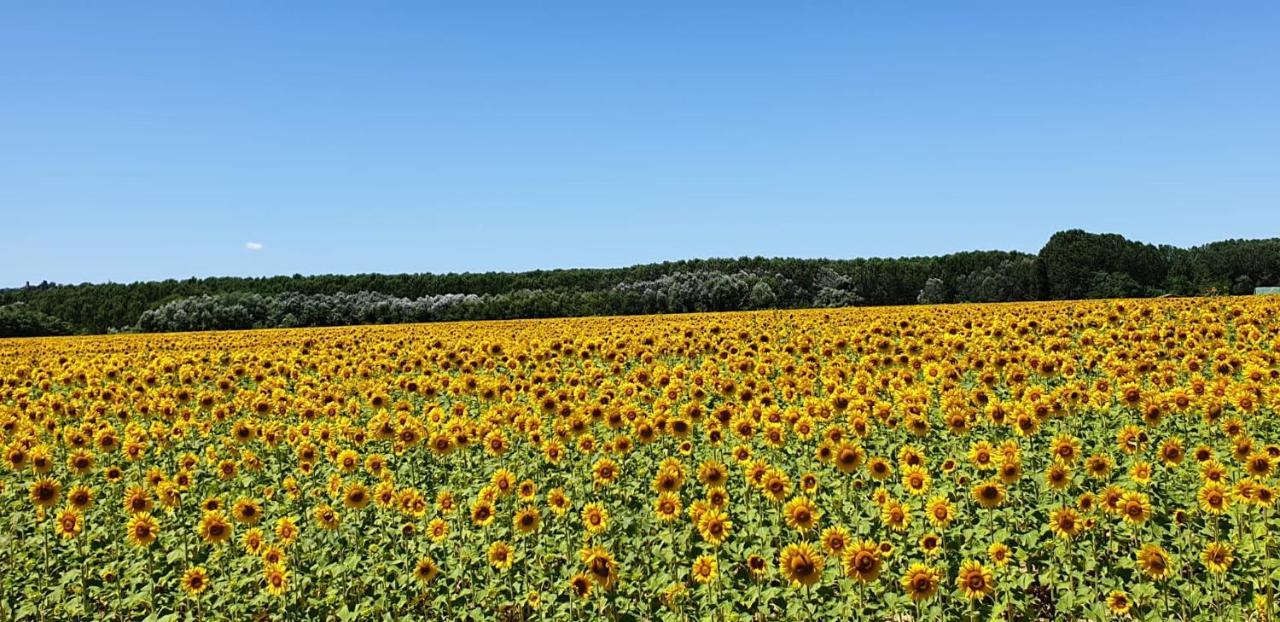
[{"x": 156, "y": 140}]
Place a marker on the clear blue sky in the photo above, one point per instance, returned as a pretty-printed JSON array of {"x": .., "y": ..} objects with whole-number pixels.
[{"x": 156, "y": 140}]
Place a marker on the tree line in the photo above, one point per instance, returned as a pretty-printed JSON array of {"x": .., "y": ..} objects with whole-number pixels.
[{"x": 1072, "y": 264}]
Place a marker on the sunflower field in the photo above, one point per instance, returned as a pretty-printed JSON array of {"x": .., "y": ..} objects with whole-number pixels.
[{"x": 1081, "y": 460}]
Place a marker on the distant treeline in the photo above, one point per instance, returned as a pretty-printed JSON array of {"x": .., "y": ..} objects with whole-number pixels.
[{"x": 1073, "y": 264}]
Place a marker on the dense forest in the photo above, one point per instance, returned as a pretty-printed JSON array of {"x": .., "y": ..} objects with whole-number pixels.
[{"x": 1072, "y": 264}]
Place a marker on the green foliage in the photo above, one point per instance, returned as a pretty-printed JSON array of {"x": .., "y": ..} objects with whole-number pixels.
[
  {"x": 19, "y": 320},
  {"x": 1073, "y": 264}
]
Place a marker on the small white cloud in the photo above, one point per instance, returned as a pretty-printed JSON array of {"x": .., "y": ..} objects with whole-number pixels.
[{"x": 253, "y": 246}]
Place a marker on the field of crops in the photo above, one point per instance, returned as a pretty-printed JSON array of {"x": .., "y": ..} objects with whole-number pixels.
[{"x": 1056, "y": 460}]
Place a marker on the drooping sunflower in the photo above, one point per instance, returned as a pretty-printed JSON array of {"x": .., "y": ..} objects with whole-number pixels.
[
  {"x": 975, "y": 580},
  {"x": 921, "y": 581},
  {"x": 601, "y": 566},
  {"x": 580, "y": 584},
  {"x": 1217, "y": 557},
  {"x": 425, "y": 570},
  {"x": 1155, "y": 562},
  {"x": 801, "y": 564}
]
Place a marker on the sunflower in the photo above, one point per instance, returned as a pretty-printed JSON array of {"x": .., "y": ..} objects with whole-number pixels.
[
  {"x": 601, "y": 566},
  {"x": 1135, "y": 507},
  {"x": 931, "y": 544},
  {"x": 975, "y": 580},
  {"x": 501, "y": 555},
  {"x": 277, "y": 579},
  {"x": 800, "y": 564},
  {"x": 247, "y": 511},
  {"x": 558, "y": 501},
  {"x": 214, "y": 528},
  {"x": 801, "y": 514},
  {"x": 425, "y": 570},
  {"x": 45, "y": 492},
  {"x": 1065, "y": 448},
  {"x": 595, "y": 518},
  {"x": 356, "y": 496},
  {"x": 1065, "y": 523},
  {"x": 848, "y": 457},
  {"x": 834, "y": 540},
  {"x": 604, "y": 472},
  {"x": 287, "y": 529},
  {"x": 1119, "y": 602},
  {"x": 482, "y": 513},
  {"x": 777, "y": 486},
  {"x": 1000, "y": 554},
  {"x": 70, "y": 523},
  {"x": 895, "y": 515},
  {"x": 1217, "y": 557},
  {"x": 142, "y": 529},
  {"x": 921, "y": 582},
  {"x": 879, "y": 468},
  {"x": 1058, "y": 476},
  {"x": 253, "y": 541},
  {"x": 714, "y": 526},
  {"x": 1155, "y": 562},
  {"x": 326, "y": 517},
  {"x": 989, "y": 494},
  {"x": 940, "y": 512},
  {"x": 704, "y": 569},
  {"x": 916, "y": 480},
  {"x": 526, "y": 520},
  {"x": 580, "y": 584},
  {"x": 1098, "y": 466},
  {"x": 758, "y": 566},
  {"x": 80, "y": 497},
  {"x": 195, "y": 581},
  {"x": 667, "y": 507},
  {"x": 713, "y": 474},
  {"x": 1259, "y": 464},
  {"x": 1214, "y": 498},
  {"x": 862, "y": 561},
  {"x": 272, "y": 555}
]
